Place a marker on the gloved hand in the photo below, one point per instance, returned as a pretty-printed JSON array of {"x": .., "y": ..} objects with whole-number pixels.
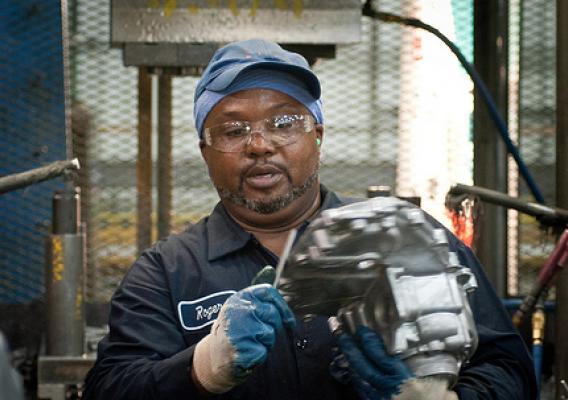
[
  {"x": 241, "y": 337},
  {"x": 376, "y": 375}
]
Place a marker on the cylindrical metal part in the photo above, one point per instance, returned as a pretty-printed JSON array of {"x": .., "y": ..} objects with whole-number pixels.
[
  {"x": 538, "y": 326},
  {"x": 64, "y": 281},
  {"x": 551, "y": 215},
  {"x": 538, "y": 321},
  {"x": 66, "y": 211},
  {"x": 36, "y": 175}
]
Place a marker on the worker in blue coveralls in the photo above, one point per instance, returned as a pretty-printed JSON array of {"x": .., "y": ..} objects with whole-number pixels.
[{"x": 187, "y": 323}]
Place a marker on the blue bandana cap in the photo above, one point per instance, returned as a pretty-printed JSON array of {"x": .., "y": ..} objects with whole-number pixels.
[{"x": 256, "y": 64}]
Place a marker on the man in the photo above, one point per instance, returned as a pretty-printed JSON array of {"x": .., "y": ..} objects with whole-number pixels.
[{"x": 187, "y": 323}]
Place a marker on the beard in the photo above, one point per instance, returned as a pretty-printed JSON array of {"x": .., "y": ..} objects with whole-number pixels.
[{"x": 274, "y": 204}]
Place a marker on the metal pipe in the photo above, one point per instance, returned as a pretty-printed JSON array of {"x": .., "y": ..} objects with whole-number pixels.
[
  {"x": 164, "y": 179},
  {"x": 551, "y": 216},
  {"x": 36, "y": 175},
  {"x": 561, "y": 316},
  {"x": 64, "y": 278},
  {"x": 66, "y": 211},
  {"x": 144, "y": 162}
]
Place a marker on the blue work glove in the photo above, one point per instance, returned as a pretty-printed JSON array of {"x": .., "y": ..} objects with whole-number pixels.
[
  {"x": 376, "y": 375},
  {"x": 241, "y": 337}
]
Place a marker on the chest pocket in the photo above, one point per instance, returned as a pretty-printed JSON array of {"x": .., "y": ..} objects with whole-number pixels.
[{"x": 195, "y": 315}]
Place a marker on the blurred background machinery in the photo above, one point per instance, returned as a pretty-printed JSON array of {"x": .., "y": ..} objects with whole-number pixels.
[{"x": 111, "y": 83}]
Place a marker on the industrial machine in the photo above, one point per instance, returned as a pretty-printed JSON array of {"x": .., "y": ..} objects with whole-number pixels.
[{"x": 183, "y": 36}]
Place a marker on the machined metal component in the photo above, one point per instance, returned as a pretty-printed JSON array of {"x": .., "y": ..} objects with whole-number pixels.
[
  {"x": 382, "y": 264},
  {"x": 64, "y": 278}
]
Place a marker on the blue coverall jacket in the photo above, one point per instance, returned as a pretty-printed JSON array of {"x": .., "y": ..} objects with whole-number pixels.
[{"x": 172, "y": 294}]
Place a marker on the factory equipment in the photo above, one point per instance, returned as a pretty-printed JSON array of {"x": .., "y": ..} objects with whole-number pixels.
[
  {"x": 64, "y": 363},
  {"x": 184, "y": 34},
  {"x": 553, "y": 218},
  {"x": 548, "y": 217}
]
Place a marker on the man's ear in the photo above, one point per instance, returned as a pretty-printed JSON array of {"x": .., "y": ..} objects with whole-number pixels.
[
  {"x": 202, "y": 149},
  {"x": 319, "y": 132}
]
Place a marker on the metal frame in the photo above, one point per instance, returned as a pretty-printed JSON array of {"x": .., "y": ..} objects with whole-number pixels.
[
  {"x": 490, "y": 166},
  {"x": 561, "y": 356}
]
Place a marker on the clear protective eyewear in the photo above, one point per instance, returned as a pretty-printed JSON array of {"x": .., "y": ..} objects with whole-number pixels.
[{"x": 279, "y": 130}]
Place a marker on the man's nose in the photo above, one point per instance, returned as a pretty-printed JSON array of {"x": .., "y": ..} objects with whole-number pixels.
[{"x": 259, "y": 142}]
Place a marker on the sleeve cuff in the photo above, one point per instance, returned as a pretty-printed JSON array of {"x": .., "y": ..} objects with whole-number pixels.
[{"x": 173, "y": 375}]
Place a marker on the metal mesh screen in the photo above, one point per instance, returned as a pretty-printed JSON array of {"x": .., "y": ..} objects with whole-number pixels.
[
  {"x": 32, "y": 134},
  {"x": 537, "y": 105},
  {"x": 385, "y": 103},
  {"x": 431, "y": 119},
  {"x": 104, "y": 92},
  {"x": 389, "y": 117}
]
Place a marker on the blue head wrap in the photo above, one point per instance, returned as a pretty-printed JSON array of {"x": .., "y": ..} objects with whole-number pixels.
[
  {"x": 258, "y": 79},
  {"x": 255, "y": 64}
]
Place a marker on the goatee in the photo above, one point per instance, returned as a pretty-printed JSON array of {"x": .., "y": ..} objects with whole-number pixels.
[{"x": 272, "y": 205}]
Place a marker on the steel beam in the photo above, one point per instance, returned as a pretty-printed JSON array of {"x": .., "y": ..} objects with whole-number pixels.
[
  {"x": 561, "y": 315},
  {"x": 144, "y": 161},
  {"x": 188, "y": 21},
  {"x": 490, "y": 156},
  {"x": 164, "y": 180}
]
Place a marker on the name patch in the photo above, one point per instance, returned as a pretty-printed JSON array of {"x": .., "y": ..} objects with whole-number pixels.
[{"x": 196, "y": 314}]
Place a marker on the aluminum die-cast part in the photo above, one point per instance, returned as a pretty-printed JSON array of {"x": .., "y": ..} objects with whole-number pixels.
[{"x": 381, "y": 263}]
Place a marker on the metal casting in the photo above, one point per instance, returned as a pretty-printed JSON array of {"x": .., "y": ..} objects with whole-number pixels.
[{"x": 381, "y": 263}]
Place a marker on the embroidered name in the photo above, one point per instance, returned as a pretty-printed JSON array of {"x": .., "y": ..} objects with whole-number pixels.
[
  {"x": 197, "y": 314},
  {"x": 208, "y": 312}
]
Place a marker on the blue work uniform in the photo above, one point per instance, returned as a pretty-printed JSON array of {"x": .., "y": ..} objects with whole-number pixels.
[{"x": 172, "y": 294}]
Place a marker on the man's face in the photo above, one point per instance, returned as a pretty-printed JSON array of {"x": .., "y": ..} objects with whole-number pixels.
[{"x": 262, "y": 178}]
